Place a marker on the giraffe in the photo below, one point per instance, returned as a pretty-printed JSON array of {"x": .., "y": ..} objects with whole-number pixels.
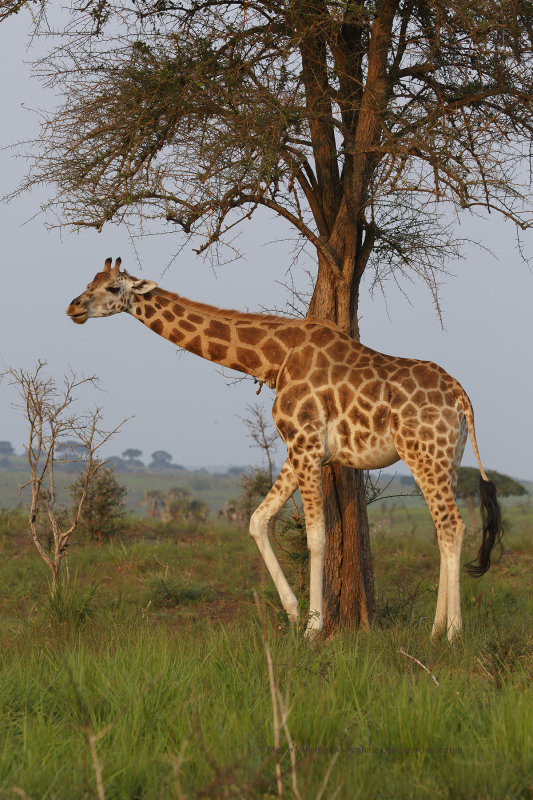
[{"x": 336, "y": 401}]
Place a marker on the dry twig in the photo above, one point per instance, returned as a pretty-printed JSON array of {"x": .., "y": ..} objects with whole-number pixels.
[
  {"x": 273, "y": 691},
  {"x": 403, "y": 653},
  {"x": 93, "y": 738}
]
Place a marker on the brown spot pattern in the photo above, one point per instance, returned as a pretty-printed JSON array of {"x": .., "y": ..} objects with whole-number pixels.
[
  {"x": 218, "y": 330},
  {"x": 291, "y": 337},
  {"x": 248, "y": 358},
  {"x": 216, "y": 351},
  {"x": 250, "y": 335},
  {"x": 273, "y": 351}
]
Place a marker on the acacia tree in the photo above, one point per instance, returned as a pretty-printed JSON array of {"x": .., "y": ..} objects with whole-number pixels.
[{"x": 360, "y": 124}]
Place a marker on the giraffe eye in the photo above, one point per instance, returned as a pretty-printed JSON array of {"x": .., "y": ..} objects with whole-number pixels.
[{"x": 113, "y": 289}]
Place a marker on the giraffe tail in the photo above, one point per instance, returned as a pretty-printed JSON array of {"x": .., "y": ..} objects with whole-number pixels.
[{"x": 491, "y": 516}]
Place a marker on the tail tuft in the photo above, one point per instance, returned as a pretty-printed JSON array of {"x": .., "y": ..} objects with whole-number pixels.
[{"x": 492, "y": 528}]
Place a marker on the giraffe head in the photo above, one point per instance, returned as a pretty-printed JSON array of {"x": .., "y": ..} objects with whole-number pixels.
[{"x": 109, "y": 292}]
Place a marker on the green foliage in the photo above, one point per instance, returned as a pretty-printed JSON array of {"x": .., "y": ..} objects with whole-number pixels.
[
  {"x": 468, "y": 483},
  {"x": 103, "y": 511}
]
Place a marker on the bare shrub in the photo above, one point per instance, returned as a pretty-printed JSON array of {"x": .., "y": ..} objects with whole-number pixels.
[{"x": 52, "y": 422}]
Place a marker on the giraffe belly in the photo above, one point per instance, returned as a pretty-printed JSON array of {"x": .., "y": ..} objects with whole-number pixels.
[
  {"x": 360, "y": 449},
  {"x": 377, "y": 458}
]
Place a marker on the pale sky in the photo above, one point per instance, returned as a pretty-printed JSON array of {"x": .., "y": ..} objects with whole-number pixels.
[{"x": 181, "y": 403}]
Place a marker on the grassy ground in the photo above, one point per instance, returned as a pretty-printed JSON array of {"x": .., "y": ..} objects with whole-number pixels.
[{"x": 152, "y": 668}]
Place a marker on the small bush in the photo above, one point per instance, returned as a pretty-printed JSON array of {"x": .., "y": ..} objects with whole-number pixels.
[
  {"x": 104, "y": 510},
  {"x": 71, "y": 604}
]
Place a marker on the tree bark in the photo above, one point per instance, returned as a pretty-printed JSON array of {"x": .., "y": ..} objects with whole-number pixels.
[{"x": 349, "y": 599}]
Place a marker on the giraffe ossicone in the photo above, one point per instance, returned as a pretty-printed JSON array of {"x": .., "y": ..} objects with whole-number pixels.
[{"x": 336, "y": 401}]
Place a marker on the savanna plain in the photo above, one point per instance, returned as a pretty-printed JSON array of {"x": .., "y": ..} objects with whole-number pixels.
[{"x": 147, "y": 674}]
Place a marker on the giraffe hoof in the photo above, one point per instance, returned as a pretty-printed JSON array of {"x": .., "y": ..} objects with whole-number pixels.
[
  {"x": 312, "y": 632},
  {"x": 291, "y": 608},
  {"x": 453, "y": 634},
  {"x": 437, "y": 631}
]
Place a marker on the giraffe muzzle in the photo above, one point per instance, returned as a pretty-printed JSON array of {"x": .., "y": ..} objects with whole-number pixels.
[{"x": 78, "y": 316}]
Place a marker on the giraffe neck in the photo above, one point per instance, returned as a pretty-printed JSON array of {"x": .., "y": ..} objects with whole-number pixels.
[{"x": 249, "y": 343}]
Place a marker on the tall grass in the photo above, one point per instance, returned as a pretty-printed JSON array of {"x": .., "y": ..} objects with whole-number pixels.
[
  {"x": 162, "y": 690},
  {"x": 157, "y": 647}
]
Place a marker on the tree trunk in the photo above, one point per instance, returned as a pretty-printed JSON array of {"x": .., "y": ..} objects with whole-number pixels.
[{"x": 349, "y": 599}]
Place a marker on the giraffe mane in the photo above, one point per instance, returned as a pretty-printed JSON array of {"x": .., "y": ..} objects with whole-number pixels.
[{"x": 233, "y": 314}]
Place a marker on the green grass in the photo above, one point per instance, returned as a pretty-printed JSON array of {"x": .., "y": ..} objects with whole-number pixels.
[{"x": 156, "y": 644}]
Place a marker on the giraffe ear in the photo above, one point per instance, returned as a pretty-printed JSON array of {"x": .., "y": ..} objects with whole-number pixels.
[{"x": 143, "y": 286}]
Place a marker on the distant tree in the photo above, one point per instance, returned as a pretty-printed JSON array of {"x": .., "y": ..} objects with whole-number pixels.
[
  {"x": 6, "y": 450},
  {"x": 155, "y": 500},
  {"x": 161, "y": 460},
  {"x": 133, "y": 455},
  {"x": 118, "y": 463},
  {"x": 180, "y": 505},
  {"x": 71, "y": 449},
  {"x": 468, "y": 488},
  {"x": 104, "y": 510},
  {"x": 236, "y": 471},
  {"x": 175, "y": 505}
]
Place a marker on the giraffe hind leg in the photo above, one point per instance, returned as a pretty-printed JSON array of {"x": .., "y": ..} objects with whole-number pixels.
[
  {"x": 450, "y": 531},
  {"x": 284, "y": 486},
  {"x": 441, "y": 614},
  {"x": 438, "y": 484}
]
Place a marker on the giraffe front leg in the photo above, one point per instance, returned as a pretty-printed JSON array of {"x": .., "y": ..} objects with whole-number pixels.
[
  {"x": 283, "y": 487},
  {"x": 316, "y": 538},
  {"x": 310, "y": 483}
]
